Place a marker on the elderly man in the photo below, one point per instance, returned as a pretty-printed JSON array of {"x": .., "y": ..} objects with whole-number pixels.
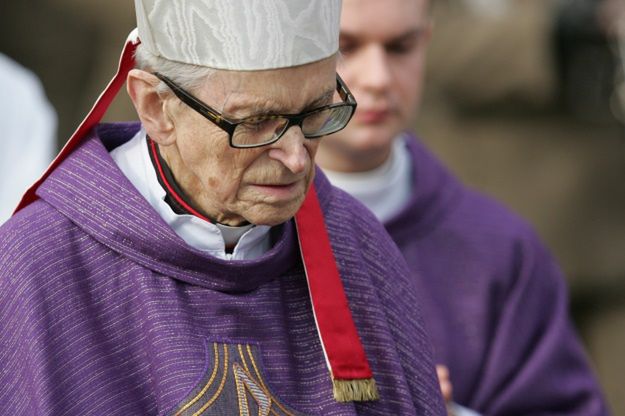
[
  {"x": 494, "y": 300},
  {"x": 194, "y": 264}
]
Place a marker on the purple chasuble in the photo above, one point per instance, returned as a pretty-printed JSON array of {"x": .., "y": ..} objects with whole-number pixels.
[
  {"x": 104, "y": 310},
  {"x": 494, "y": 301}
]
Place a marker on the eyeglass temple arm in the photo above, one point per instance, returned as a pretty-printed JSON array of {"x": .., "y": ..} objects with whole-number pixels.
[
  {"x": 192, "y": 101},
  {"x": 343, "y": 90}
]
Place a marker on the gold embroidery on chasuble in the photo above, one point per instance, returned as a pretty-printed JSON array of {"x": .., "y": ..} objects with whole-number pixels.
[{"x": 232, "y": 385}]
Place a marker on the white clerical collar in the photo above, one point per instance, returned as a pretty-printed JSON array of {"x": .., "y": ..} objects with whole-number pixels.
[
  {"x": 251, "y": 241},
  {"x": 384, "y": 190}
]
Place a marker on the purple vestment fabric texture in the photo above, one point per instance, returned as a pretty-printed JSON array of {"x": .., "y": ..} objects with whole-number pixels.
[
  {"x": 104, "y": 310},
  {"x": 494, "y": 301}
]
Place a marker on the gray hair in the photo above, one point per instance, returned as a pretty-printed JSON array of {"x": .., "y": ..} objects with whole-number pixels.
[{"x": 189, "y": 77}]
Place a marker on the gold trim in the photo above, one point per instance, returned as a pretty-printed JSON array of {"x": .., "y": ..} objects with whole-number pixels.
[
  {"x": 242, "y": 355},
  {"x": 249, "y": 353},
  {"x": 240, "y": 391},
  {"x": 208, "y": 383},
  {"x": 221, "y": 385},
  {"x": 262, "y": 382}
]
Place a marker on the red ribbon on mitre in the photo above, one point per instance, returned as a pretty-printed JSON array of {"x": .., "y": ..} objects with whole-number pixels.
[
  {"x": 352, "y": 377},
  {"x": 126, "y": 63}
]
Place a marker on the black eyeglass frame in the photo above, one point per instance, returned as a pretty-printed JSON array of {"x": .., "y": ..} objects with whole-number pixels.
[{"x": 229, "y": 125}]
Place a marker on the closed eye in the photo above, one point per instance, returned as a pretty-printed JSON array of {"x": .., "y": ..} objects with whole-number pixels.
[{"x": 404, "y": 44}]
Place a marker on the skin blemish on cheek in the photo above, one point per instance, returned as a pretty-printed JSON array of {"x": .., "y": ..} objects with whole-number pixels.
[{"x": 213, "y": 182}]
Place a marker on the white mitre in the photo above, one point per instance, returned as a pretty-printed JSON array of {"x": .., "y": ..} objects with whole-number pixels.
[{"x": 240, "y": 34}]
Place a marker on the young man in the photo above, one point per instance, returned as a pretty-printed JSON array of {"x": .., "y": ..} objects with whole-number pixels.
[
  {"x": 495, "y": 302},
  {"x": 193, "y": 263}
]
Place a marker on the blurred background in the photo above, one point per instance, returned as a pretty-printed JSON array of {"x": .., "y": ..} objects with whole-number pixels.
[{"x": 525, "y": 101}]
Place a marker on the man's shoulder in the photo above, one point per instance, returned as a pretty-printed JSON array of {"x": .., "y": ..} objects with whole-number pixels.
[
  {"x": 36, "y": 234},
  {"x": 484, "y": 233},
  {"x": 484, "y": 212},
  {"x": 35, "y": 216},
  {"x": 448, "y": 218},
  {"x": 465, "y": 209}
]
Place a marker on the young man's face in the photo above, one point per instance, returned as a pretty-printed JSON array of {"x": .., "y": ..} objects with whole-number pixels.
[{"x": 383, "y": 44}]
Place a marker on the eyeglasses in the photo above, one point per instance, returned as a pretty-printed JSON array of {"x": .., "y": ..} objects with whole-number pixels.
[{"x": 266, "y": 129}]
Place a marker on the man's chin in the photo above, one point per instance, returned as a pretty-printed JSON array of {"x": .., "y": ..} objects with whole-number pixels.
[
  {"x": 366, "y": 139},
  {"x": 272, "y": 215}
]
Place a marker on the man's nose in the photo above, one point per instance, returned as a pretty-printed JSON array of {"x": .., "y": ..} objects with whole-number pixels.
[
  {"x": 374, "y": 70},
  {"x": 290, "y": 150}
]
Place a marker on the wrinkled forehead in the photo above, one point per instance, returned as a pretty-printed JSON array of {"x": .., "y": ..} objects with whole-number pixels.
[{"x": 284, "y": 90}]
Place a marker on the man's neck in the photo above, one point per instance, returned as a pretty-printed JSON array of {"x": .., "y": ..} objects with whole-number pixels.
[{"x": 384, "y": 189}]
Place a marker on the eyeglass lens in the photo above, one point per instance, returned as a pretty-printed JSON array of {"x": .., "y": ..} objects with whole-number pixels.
[
  {"x": 327, "y": 121},
  {"x": 259, "y": 131}
]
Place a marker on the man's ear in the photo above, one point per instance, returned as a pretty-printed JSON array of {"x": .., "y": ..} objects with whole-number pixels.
[{"x": 150, "y": 106}]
